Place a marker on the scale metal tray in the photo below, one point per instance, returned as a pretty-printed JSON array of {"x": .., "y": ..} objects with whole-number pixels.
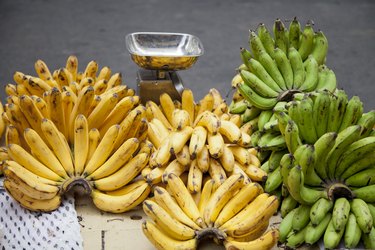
[{"x": 163, "y": 51}]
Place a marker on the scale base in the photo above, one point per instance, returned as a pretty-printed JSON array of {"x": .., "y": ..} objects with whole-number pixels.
[{"x": 150, "y": 87}]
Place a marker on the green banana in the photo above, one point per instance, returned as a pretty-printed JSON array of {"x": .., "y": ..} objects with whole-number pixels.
[
  {"x": 326, "y": 79},
  {"x": 263, "y": 155},
  {"x": 343, "y": 140},
  {"x": 266, "y": 38},
  {"x": 280, "y": 107},
  {"x": 285, "y": 67},
  {"x": 238, "y": 107},
  {"x": 319, "y": 210},
  {"x": 340, "y": 213},
  {"x": 286, "y": 225},
  {"x": 364, "y": 163},
  {"x": 296, "y": 239},
  {"x": 275, "y": 143},
  {"x": 304, "y": 156},
  {"x": 282, "y": 118},
  {"x": 363, "y": 215},
  {"x": 354, "y": 110},
  {"x": 354, "y": 152},
  {"x": 286, "y": 164},
  {"x": 245, "y": 56},
  {"x": 257, "y": 68},
  {"x": 265, "y": 139},
  {"x": 297, "y": 66},
  {"x": 274, "y": 180},
  {"x": 306, "y": 121},
  {"x": 307, "y": 41},
  {"x": 363, "y": 178},
  {"x": 284, "y": 189},
  {"x": 294, "y": 33},
  {"x": 256, "y": 100},
  {"x": 369, "y": 239},
  {"x": 270, "y": 65},
  {"x": 365, "y": 193},
  {"x": 353, "y": 232},
  {"x": 322, "y": 147},
  {"x": 337, "y": 114},
  {"x": 320, "y": 47},
  {"x": 311, "y": 195},
  {"x": 315, "y": 232},
  {"x": 271, "y": 125},
  {"x": 311, "y": 79},
  {"x": 292, "y": 138},
  {"x": 264, "y": 117},
  {"x": 321, "y": 112},
  {"x": 372, "y": 211},
  {"x": 295, "y": 183},
  {"x": 257, "y": 85},
  {"x": 256, "y": 44},
  {"x": 242, "y": 67},
  {"x": 275, "y": 158},
  {"x": 301, "y": 218},
  {"x": 281, "y": 35},
  {"x": 288, "y": 204},
  {"x": 312, "y": 178},
  {"x": 250, "y": 114},
  {"x": 255, "y": 138},
  {"x": 266, "y": 167},
  {"x": 367, "y": 121},
  {"x": 331, "y": 236}
]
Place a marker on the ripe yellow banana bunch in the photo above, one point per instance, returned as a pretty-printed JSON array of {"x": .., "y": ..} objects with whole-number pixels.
[
  {"x": 39, "y": 174},
  {"x": 62, "y": 95},
  {"x": 235, "y": 214},
  {"x": 198, "y": 138}
]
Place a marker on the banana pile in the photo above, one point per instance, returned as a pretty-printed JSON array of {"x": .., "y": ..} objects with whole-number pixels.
[
  {"x": 198, "y": 138},
  {"x": 70, "y": 128},
  {"x": 277, "y": 68},
  {"x": 235, "y": 213}
]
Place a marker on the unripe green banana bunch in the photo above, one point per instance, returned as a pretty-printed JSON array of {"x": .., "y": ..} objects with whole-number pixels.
[{"x": 277, "y": 67}]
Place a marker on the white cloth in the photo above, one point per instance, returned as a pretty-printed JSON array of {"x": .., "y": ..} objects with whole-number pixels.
[{"x": 24, "y": 229}]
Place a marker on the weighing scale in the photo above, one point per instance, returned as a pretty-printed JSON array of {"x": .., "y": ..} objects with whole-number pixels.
[{"x": 159, "y": 55}]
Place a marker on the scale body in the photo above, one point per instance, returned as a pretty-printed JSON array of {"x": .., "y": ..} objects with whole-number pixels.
[{"x": 159, "y": 56}]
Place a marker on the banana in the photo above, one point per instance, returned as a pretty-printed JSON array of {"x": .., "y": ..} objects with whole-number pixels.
[
  {"x": 12, "y": 136},
  {"x": 120, "y": 203},
  {"x": 340, "y": 214},
  {"x": 319, "y": 210},
  {"x": 208, "y": 120},
  {"x": 257, "y": 84},
  {"x": 263, "y": 212},
  {"x": 362, "y": 214},
  {"x": 365, "y": 193},
  {"x": 295, "y": 239},
  {"x": 240, "y": 200},
  {"x": 256, "y": 47},
  {"x": 166, "y": 222},
  {"x": 162, "y": 241},
  {"x": 274, "y": 180},
  {"x": 179, "y": 138},
  {"x": 306, "y": 122},
  {"x": 295, "y": 183},
  {"x": 238, "y": 107},
  {"x": 275, "y": 158},
  {"x": 365, "y": 177},
  {"x": 281, "y": 35},
  {"x": 158, "y": 114},
  {"x": 258, "y": 101},
  {"x": 124, "y": 175},
  {"x": 165, "y": 200},
  {"x": 215, "y": 145},
  {"x": 294, "y": 33},
  {"x": 167, "y": 105},
  {"x": 180, "y": 119},
  {"x": 227, "y": 159},
  {"x": 81, "y": 143},
  {"x": 116, "y": 160},
  {"x": 173, "y": 167},
  {"x": 266, "y": 241},
  {"x": 56, "y": 109},
  {"x": 343, "y": 140},
  {"x": 332, "y": 236},
  {"x": 184, "y": 199},
  {"x": 262, "y": 77},
  {"x": 31, "y": 113},
  {"x": 327, "y": 80},
  {"x": 353, "y": 112},
  {"x": 321, "y": 112},
  {"x": 241, "y": 155},
  {"x": 101, "y": 112},
  {"x": 288, "y": 204},
  {"x": 320, "y": 47},
  {"x": 187, "y": 102},
  {"x": 322, "y": 147},
  {"x": 286, "y": 225},
  {"x": 266, "y": 38},
  {"x": 250, "y": 114},
  {"x": 354, "y": 152},
  {"x": 195, "y": 178},
  {"x": 21, "y": 156},
  {"x": 230, "y": 131},
  {"x": 307, "y": 41},
  {"x": 103, "y": 150},
  {"x": 270, "y": 65},
  {"x": 183, "y": 157},
  {"x": 371, "y": 207},
  {"x": 353, "y": 232},
  {"x": 29, "y": 202},
  {"x": 264, "y": 117},
  {"x": 337, "y": 114},
  {"x": 301, "y": 217},
  {"x": 369, "y": 239},
  {"x": 197, "y": 141},
  {"x": 217, "y": 172},
  {"x": 284, "y": 66},
  {"x": 203, "y": 159},
  {"x": 41, "y": 151},
  {"x": 314, "y": 233},
  {"x": 311, "y": 79},
  {"x": 292, "y": 138},
  {"x": 297, "y": 66},
  {"x": 367, "y": 121}
]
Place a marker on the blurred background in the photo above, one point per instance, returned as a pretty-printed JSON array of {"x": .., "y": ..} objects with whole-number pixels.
[{"x": 95, "y": 30}]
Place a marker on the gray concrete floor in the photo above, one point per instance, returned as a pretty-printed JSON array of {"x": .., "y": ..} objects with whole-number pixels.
[{"x": 52, "y": 30}]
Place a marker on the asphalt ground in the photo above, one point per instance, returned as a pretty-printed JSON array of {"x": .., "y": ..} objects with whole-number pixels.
[{"x": 95, "y": 30}]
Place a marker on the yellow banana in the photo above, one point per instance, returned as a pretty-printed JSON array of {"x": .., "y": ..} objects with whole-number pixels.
[
  {"x": 81, "y": 143},
  {"x": 114, "y": 81},
  {"x": 195, "y": 178},
  {"x": 174, "y": 167},
  {"x": 91, "y": 69},
  {"x": 163, "y": 154},
  {"x": 231, "y": 131},
  {"x": 206, "y": 104},
  {"x": 56, "y": 109},
  {"x": 154, "y": 135},
  {"x": 203, "y": 159},
  {"x": 187, "y": 99},
  {"x": 31, "y": 112},
  {"x": 179, "y": 138},
  {"x": 197, "y": 141},
  {"x": 102, "y": 110},
  {"x": 72, "y": 66},
  {"x": 241, "y": 154},
  {"x": 217, "y": 172},
  {"x": 126, "y": 189},
  {"x": 215, "y": 145},
  {"x": 167, "y": 106},
  {"x": 120, "y": 203},
  {"x": 183, "y": 157},
  {"x": 104, "y": 74},
  {"x": 227, "y": 159},
  {"x": 12, "y": 136},
  {"x": 158, "y": 114},
  {"x": 266, "y": 241},
  {"x": 208, "y": 120},
  {"x": 155, "y": 175},
  {"x": 208, "y": 189},
  {"x": 180, "y": 119},
  {"x": 64, "y": 78}
]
